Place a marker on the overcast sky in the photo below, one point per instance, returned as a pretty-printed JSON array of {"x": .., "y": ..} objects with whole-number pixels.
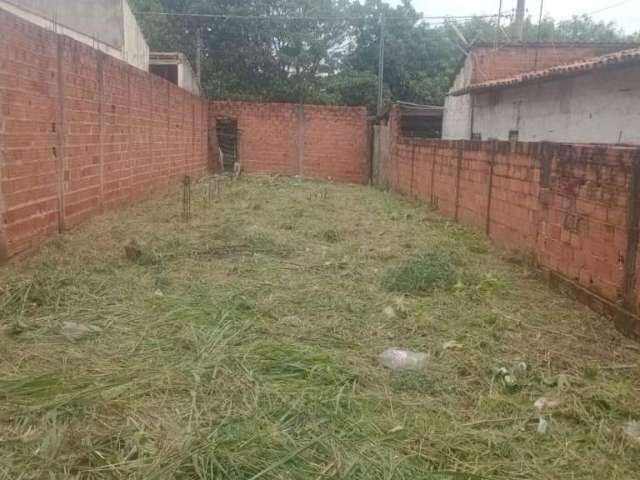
[{"x": 627, "y": 15}]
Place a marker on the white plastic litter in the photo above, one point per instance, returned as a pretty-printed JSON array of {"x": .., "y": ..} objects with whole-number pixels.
[
  {"x": 545, "y": 403},
  {"x": 563, "y": 381},
  {"x": 511, "y": 378},
  {"x": 403, "y": 360},
  {"x": 632, "y": 431},
  {"x": 390, "y": 313},
  {"x": 75, "y": 332},
  {"x": 543, "y": 426},
  {"x": 452, "y": 345},
  {"x": 292, "y": 320},
  {"x": 520, "y": 370},
  {"x": 400, "y": 307}
]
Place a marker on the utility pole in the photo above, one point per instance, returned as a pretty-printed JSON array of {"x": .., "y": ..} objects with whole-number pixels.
[
  {"x": 199, "y": 55},
  {"x": 520, "y": 10},
  {"x": 381, "y": 66},
  {"x": 498, "y": 24},
  {"x": 535, "y": 63}
]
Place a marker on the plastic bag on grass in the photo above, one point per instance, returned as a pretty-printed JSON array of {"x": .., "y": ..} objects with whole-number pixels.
[{"x": 403, "y": 359}]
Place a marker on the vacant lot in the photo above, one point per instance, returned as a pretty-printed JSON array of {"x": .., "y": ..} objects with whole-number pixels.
[{"x": 245, "y": 345}]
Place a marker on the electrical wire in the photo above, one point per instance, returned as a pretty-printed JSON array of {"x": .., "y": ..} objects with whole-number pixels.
[
  {"x": 317, "y": 18},
  {"x": 604, "y": 9}
]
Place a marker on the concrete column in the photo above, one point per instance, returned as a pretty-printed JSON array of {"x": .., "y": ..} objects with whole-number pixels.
[
  {"x": 301, "y": 135},
  {"x": 413, "y": 167},
  {"x": 61, "y": 169},
  {"x": 101, "y": 129},
  {"x": 492, "y": 163},
  {"x": 4, "y": 243},
  {"x": 458, "y": 173},
  {"x": 132, "y": 164},
  {"x": 150, "y": 135},
  {"x": 633, "y": 235},
  {"x": 432, "y": 187}
]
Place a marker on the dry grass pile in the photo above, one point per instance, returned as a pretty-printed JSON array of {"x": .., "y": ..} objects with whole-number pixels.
[{"x": 244, "y": 345}]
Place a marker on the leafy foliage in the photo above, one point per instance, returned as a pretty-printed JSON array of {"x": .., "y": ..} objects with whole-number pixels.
[{"x": 333, "y": 58}]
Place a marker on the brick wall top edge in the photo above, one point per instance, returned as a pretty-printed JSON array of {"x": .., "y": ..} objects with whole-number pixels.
[
  {"x": 286, "y": 105},
  {"x": 528, "y": 147},
  {"x": 72, "y": 46},
  {"x": 23, "y": 26}
]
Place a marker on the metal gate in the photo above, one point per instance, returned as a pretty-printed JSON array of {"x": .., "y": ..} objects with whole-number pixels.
[{"x": 227, "y": 133}]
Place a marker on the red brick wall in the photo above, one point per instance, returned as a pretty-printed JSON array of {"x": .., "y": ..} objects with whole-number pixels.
[
  {"x": 81, "y": 132},
  {"x": 566, "y": 205},
  {"x": 492, "y": 64},
  {"x": 308, "y": 140},
  {"x": 336, "y": 144}
]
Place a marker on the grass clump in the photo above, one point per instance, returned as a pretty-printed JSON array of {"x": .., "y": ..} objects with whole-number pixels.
[
  {"x": 411, "y": 381},
  {"x": 250, "y": 351},
  {"x": 422, "y": 274},
  {"x": 331, "y": 236}
]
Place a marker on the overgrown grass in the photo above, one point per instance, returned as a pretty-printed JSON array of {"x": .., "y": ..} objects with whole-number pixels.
[
  {"x": 422, "y": 274},
  {"x": 245, "y": 346}
]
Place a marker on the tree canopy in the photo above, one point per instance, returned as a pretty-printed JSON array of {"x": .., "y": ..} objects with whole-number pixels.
[{"x": 263, "y": 50}]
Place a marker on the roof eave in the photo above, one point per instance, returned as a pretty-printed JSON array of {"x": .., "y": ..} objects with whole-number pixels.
[{"x": 606, "y": 62}]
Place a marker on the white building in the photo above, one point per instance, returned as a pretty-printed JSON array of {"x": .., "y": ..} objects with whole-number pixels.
[
  {"x": 563, "y": 92},
  {"x": 106, "y": 25},
  {"x": 175, "y": 67}
]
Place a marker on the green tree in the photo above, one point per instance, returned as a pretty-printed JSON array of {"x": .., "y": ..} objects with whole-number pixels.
[
  {"x": 281, "y": 58},
  {"x": 331, "y": 56},
  {"x": 578, "y": 29}
]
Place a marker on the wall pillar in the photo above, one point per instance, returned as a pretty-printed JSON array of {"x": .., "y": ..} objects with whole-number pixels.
[
  {"x": 132, "y": 161},
  {"x": 213, "y": 155},
  {"x": 458, "y": 173},
  {"x": 59, "y": 151},
  {"x": 4, "y": 243},
  {"x": 301, "y": 134},
  {"x": 152, "y": 173},
  {"x": 413, "y": 164},
  {"x": 432, "y": 193},
  {"x": 101, "y": 128},
  {"x": 492, "y": 162},
  {"x": 633, "y": 235}
]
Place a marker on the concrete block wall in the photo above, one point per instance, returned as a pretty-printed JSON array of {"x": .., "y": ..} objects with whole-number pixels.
[
  {"x": 573, "y": 208},
  {"x": 313, "y": 141},
  {"x": 82, "y": 132}
]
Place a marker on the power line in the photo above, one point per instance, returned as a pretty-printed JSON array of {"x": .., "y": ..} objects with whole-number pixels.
[
  {"x": 535, "y": 63},
  {"x": 604, "y": 9},
  {"x": 293, "y": 17}
]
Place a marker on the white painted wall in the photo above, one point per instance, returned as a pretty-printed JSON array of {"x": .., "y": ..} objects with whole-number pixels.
[
  {"x": 100, "y": 19},
  {"x": 136, "y": 49},
  {"x": 106, "y": 25},
  {"x": 456, "y": 123},
  {"x": 187, "y": 78},
  {"x": 600, "y": 107}
]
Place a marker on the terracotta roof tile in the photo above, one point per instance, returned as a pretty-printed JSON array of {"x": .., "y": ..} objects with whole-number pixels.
[{"x": 616, "y": 59}]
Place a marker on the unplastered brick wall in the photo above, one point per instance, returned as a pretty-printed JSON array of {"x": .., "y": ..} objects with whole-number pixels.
[
  {"x": 573, "y": 208},
  {"x": 308, "y": 140},
  {"x": 82, "y": 132},
  {"x": 490, "y": 63}
]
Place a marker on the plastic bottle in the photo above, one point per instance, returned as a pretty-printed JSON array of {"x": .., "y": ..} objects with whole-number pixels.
[{"x": 403, "y": 360}]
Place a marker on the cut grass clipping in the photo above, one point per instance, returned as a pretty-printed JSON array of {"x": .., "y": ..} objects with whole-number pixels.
[
  {"x": 244, "y": 345},
  {"x": 422, "y": 274}
]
